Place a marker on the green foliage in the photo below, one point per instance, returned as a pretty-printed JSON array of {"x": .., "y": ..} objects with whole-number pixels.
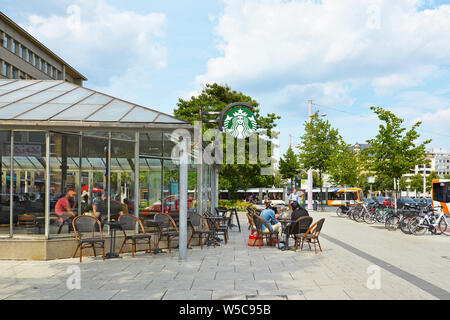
[
  {"x": 289, "y": 165},
  {"x": 393, "y": 152},
  {"x": 215, "y": 97},
  {"x": 343, "y": 169},
  {"x": 416, "y": 182},
  {"x": 447, "y": 176},
  {"x": 240, "y": 205},
  {"x": 318, "y": 145}
]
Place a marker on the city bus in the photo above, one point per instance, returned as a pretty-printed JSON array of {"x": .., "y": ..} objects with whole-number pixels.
[
  {"x": 440, "y": 190},
  {"x": 338, "y": 196}
]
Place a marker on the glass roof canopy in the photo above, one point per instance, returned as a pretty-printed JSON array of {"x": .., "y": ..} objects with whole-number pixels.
[{"x": 52, "y": 102}]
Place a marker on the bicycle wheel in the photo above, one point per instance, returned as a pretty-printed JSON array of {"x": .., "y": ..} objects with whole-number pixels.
[
  {"x": 380, "y": 216},
  {"x": 369, "y": 217},
  {"x": 404, "y": 225},
  {"x": 392, "y": 223},
  {"x": 416, "y": 228},
  {"x": 339, "y": 212},
  {"x": 443, "y": 227}
]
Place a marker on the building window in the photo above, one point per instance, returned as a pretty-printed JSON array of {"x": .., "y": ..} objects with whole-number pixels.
[
  {"x": 15, "y": 73},
  {"x": 7, "y": 41},
  {"x": 2, "y": 41},
  {"x": 42, "y": 65},
  {"x": 58, "y": 73},
  {"x": 22, "y": 75},
  {"x": 6, "y": 70},
  {"x": 53, "y": 73},
  {"x": 30, "y": 56},
  {"x": 15, "y": 46},
  {"x": 23, "y": 52}
]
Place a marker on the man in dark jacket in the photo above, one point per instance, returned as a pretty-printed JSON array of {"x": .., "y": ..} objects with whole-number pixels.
[{"x": 298, "y": 212}]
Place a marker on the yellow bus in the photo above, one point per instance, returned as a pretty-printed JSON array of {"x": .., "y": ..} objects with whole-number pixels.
[{"x": 338, "y": 196}]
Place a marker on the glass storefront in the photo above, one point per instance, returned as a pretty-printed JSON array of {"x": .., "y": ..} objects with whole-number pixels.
[
  {"x": 5, "y": 178},
  {"x": 89, "y": 173}
]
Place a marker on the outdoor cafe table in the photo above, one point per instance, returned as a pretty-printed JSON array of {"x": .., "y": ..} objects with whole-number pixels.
[
  {"x": 286, "y": 223},
  {"x": 113, "y": 225}
]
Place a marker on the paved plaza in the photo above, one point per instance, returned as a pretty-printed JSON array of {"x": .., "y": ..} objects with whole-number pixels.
[{"x": 355, "y": 256}]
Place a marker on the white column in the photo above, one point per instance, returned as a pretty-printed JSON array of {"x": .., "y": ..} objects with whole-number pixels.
[
  {"x": 183, "y": 190},
  {"x": 136, "y": 176}
]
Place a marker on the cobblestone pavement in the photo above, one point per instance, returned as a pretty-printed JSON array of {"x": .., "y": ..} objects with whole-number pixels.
[{"x": 410, "y": 267}]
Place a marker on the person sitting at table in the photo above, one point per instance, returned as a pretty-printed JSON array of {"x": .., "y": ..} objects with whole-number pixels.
[
  {"x": 270, "y": 217},
  {"x": 101, "y": 208},
  {"x": 298, "y": 212}
]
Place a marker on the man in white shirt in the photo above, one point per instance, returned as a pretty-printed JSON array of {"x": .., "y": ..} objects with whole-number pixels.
[{"x": 293, "y": 197}]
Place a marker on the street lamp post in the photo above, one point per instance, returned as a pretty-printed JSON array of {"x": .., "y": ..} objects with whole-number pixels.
[{"x": 310, "y": 175}]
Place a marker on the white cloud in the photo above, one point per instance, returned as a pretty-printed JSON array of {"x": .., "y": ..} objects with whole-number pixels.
[
  {"x": 92, "y": 33},
  {"x": 390, "y": 42}
]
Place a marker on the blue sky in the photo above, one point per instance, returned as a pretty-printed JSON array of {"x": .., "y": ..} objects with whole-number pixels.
[{"x": 344, "y": 55}]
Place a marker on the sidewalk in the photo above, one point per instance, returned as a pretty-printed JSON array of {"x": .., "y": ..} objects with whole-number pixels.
[{"x": 236, "y": 271}]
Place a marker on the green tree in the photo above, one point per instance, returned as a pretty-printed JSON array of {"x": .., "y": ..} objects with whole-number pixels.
[
  {"x": 393, "y": 152},
  {"x": 215, "y": 97},
  {"x": 289, "y": 165},
  {"x": 416, "y": 182},
  {"x": 343, "y": 168},
  {"x": 318, "y": 145},
  {"x": 446, "y": 176},
  {"x": 432, "y": 176}
]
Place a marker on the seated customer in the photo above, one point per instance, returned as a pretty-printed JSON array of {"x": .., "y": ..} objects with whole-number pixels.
[
  {"x": 298, "y": 212},
  {"x": 270, "y": 217}
]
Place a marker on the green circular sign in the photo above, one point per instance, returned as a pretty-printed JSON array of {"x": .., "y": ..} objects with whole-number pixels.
[{"x": 239, "y": 122}]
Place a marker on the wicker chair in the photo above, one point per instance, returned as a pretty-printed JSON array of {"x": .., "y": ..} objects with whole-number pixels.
[
  {"x": 167, "y": 228},
  {"x": 301, "y": 224},
  {"x": 131, "y": 225},
  {"x": 86, "y": 225},
  {"x": 200, "y": 227},
  {"x": 312, "y": 235},
  {"x": 259, "y": 223}
]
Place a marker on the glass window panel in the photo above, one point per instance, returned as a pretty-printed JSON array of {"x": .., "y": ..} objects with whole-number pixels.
[
  {"x": 97, "y": 98},
  {"x": 64, "y": 86},
  {"x": 171, "y": 188},
  {"x": 150, "y": 175},
  {"x": 167, "y": 119},
  {"x": 192, "y": 188},
  {"x": 151, "y": 143},
  {"x": 16, "y": 95},
  {"x": 122, "y": 177},
  {"x": 77, "y": 112},
  {"x": 169, "y": 143},
  {"x": 140, "y": 115},
  {"x": 43, "y": 96},
  {"x": 64, "y": 182},
  {"x": 44, "y": 112},
  {"x": 94, "y": 176},
  {"x": 29, "y": 184},
  {"x": 123, "y": 135},
  {"x": 15, "y": 109},
  {"x": 112, "y": 112},
  {"x": 5, "y": 182},
  {"x": 73, "y": 96}
]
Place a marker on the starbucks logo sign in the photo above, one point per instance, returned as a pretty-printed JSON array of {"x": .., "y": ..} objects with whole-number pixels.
[{"x": 239, "y": 122}]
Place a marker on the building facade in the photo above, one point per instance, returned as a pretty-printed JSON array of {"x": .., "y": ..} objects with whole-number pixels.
[{"x": 23, "y": 57}]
